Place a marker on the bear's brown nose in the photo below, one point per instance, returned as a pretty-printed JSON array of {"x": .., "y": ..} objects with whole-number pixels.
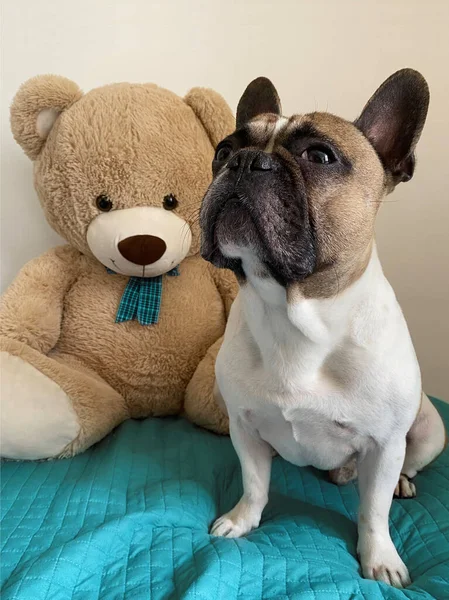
[{"x": 142, "y": 249}]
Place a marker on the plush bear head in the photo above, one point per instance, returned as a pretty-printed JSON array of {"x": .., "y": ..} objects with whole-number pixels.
[{"x": 121, "y": 171}]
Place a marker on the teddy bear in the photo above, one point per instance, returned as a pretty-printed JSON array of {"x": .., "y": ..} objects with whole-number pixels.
[{"x": 124, "y": 321}]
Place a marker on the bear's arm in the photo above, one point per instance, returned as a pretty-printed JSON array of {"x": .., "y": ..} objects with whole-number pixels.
[
  {"x": 227, "y": 286},
  {"x": 31, "y": 308}
]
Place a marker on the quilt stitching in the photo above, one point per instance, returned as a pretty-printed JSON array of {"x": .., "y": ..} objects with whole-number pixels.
[{"x": 130, "y": 517}]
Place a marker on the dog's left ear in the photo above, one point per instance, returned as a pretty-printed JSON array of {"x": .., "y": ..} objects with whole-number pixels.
[
  {"x": 259, "y": 97},
  {"x": 393, "y": 120}
]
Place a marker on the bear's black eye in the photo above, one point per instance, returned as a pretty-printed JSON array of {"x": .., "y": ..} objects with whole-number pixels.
[
  {"x": 170, "y": 202},
  {"x": 103, "y": 203}
]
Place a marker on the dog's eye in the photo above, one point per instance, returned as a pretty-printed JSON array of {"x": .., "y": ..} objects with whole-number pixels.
[
  {"x": 103, "y": 203},
  {"x": 319, "y": 154},
  {"x": 170, "y": 202},
  {"x": 223, "y": 153}
]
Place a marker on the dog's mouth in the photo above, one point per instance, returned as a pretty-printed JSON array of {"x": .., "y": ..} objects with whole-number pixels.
[
  {"x": 235, "y": 225},
  {"x": 243, "y": 226},
  {"x": 232, "y": 227}
]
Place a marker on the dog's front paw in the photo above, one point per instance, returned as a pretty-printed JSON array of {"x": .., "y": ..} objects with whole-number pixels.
[
  {"x": 381, "y": 561},
  {"x": 239, "y": 521}
]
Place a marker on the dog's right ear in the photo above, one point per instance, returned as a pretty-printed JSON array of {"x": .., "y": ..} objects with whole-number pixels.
[
  {"x": 35, "y": 108},
  {"x": 259, "y": 97}
]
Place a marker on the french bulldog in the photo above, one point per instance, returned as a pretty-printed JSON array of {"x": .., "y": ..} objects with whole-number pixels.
[{"x": 317, "y": 362}]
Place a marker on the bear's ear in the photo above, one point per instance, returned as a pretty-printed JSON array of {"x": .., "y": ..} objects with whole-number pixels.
[
  {"x": 35, "y": 108},
  {"x": 213, "y": 112}
]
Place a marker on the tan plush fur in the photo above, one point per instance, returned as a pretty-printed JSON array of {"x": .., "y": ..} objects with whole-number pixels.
[{"x": 135, "y": 143}]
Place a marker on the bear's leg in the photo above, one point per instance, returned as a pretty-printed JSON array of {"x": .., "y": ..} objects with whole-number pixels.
[
  {"x": 203, "y": 403},
  {"x": 52, "y": 406}
]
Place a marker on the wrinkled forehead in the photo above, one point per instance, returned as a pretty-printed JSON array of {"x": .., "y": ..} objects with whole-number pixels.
[{"x": 269, "y": 131}]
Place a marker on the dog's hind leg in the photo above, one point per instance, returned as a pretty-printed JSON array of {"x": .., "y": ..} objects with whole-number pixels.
[
  {"x": 405, "y": 488},
  {"x": 344, "y": 474},
  {"x": 425, "y": 440}
]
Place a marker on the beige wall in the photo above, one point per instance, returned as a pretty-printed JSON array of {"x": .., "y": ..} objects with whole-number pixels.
[{"x": 321, "y": 55}]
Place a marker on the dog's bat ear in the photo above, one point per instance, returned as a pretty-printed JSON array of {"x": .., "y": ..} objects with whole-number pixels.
[
  {"x": 259, "y": 97},
  {"x": 393, "y": 119}
]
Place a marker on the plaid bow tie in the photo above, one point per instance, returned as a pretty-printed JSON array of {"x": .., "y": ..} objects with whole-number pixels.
[{"x": 142, "y": 299}]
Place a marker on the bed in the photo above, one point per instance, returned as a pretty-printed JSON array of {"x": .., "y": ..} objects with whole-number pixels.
[{"x": 129, "y": 519}]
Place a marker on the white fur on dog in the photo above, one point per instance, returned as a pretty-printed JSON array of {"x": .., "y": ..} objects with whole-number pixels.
[{"x": 320, "y": 380}]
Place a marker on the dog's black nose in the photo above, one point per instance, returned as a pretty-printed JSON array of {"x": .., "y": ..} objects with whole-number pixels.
[{"x": 251, "y": 160}]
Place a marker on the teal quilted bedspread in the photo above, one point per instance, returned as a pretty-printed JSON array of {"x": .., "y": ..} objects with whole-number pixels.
[{"x": 129, "y": 519}]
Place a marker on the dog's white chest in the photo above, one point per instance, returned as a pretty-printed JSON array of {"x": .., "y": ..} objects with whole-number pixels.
[
  {"x": 316, "y": 391},
  {"x": 289, "y": 396}
]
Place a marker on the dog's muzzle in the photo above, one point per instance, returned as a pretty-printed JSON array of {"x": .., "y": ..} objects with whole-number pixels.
[
  {"x": 258, "y": 202},
  {"x": 251, "y": 162},
  {"x": 227, "y": 207}
]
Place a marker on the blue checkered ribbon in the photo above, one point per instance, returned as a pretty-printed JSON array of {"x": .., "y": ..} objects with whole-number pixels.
[{"x": 141, "y": 299}]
